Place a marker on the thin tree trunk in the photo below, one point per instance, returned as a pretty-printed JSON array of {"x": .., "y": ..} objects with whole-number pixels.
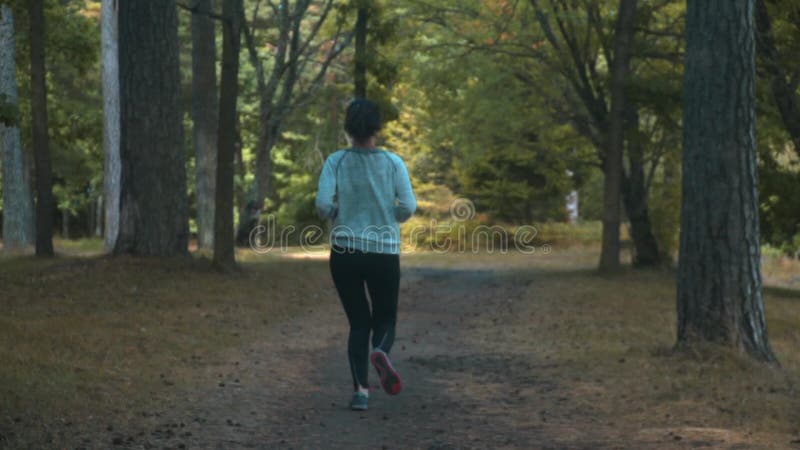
[
  {"x": 204, "y": 113},
  {"x": 250, "y": 212},
  {"x": 153, "y": 203},
  {"x": 261, "y": 182},
  {"x": 41, "y": 141},
  {"x": 224, "y": 258},
  {"x": 612, "y": 163},
  {"x": 240, "y": 192},
  {"x": 98, "y": 220},
  {"x": 361, "y": 50},
  {"x": 719, "y": 293},
  {"x": 90, "y": 218},
  {"x": 18, "y": 217},
  {"x": 111, "y": 123},
  {"x": 784, "y": 93},
  {"x": 65, "y": 223},
  {"x": 634, "y": 198}
]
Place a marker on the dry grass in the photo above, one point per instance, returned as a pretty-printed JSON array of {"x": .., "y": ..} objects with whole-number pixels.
[
  {"x": 610, "y": 340},
  {"x": 89, "y": 338}
]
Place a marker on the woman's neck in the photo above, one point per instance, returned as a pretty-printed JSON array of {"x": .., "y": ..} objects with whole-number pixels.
[{"x": 369, "y": 143}]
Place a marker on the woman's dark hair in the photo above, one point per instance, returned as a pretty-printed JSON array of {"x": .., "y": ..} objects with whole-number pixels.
[{"x": 363, "y": 119}]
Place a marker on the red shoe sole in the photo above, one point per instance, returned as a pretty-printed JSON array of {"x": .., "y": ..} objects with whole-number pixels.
[{"x": 390, "y": 379}]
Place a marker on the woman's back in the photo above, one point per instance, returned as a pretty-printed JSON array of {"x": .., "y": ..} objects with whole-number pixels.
[{"x": 367, "y": 192}]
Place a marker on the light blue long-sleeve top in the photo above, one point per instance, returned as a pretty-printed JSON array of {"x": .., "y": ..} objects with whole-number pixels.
[{"x": 367, "y": 193}]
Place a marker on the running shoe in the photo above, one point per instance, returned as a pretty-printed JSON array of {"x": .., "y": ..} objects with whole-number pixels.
[
  {"x": 390, "y": 379},
  {"x": 359, "y": 401}
]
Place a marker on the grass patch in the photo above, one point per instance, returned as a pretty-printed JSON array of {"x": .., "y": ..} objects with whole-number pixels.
[
  {"x": 610, "y": 340},
  {"x": 82, "y": 337}
]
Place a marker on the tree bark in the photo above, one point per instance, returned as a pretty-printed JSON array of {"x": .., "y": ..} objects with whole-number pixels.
[
  {"x": 361, "y": 50},
  {"x": 204, "y": 113},
  {"x": 111, "y": 124},
  {"x": 634, "y": 198},
  {"x": 98, "y": 218},
  {"x": 41, "y": 140},
  {"x": 224, "y": 257},
  {"x": 784, "y": 93},
  {"x": 153, "y": 203},
  {"x": 719, "y": 294},
  {"x": 65, "y": 223},
  {"x": 612, "y": 161},
  {"x": 18, "y": 217}
]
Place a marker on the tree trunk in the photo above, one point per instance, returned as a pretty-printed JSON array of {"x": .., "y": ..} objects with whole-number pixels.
[
  {"x": 65, "y": 223},
  {"x": 240, "y": 191},
  {"x": 784, "y": 93},
  {"x": 204, "y": 113},
  {"x": 267, "y": 138},
  {"x": 153, "y": 204},
  {"x": 612, "y": 162},
  {"x": 229, "y": 90},
  {"x": 18, "y": 223},
  {"x": 361, "y": 50},
  {"x": 111, "y": 124},
  {"x": 250, "y": 211},
  {"x": 41, "y": 143},
  {"x": 98, "y": 220},
  {"x": 719, "y": 270},
  {"x": 634, "y": 197}
]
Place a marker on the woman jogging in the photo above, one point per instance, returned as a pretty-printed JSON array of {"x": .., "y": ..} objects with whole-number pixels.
[{"x": 366, "y": 191}]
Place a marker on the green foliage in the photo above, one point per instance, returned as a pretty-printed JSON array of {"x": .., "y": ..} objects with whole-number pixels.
[
  {"x": 665, "y": 205},
  {"x": 74, "y": 98},
  {"x": 779, "y": 168},
  {"x": 779, "y": 186},
  {"x": 9, "y": 112}
]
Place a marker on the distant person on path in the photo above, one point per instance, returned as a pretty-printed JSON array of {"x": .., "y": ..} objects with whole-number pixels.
[{"x": 366, "y": 191}]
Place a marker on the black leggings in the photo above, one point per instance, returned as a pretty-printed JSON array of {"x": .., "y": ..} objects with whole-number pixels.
[{"x": 351, "y": 269}]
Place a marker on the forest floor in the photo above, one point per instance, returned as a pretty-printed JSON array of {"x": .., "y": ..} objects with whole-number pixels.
[{"x": 497, "y": 351}]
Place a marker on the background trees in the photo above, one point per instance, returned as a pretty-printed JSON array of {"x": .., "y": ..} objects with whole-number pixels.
[
  {"x": 299, "y": 57},
  {"x": 509, "y": 103}
]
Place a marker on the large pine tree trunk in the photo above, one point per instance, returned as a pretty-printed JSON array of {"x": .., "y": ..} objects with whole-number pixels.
[
  {"x": 719, "y": 269},
  {"x": 18, "y": 226},
  {"x": 612, "y": 162},
  {"x": 229, "y": 91},
  {"x": 41, "y": 140},
  {"x": 153, "y": 203},
  {"x": 111, "y": 163},
  {"x": 204, "y": 113}
]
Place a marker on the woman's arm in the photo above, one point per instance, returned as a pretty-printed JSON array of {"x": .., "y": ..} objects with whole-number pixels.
[
  {"x": 326, "y": 191},
  {"x": 406, "y": 202}
]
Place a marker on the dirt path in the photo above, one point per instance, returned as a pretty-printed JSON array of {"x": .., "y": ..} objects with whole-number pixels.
[
  {"x": 291, "y": 390},
  {"x": 473, "y": 379}
]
